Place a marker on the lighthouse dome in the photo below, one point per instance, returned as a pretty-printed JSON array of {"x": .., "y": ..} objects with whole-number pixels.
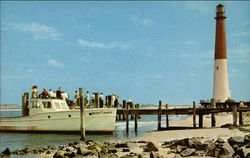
[{"x": 220, "y": 8}]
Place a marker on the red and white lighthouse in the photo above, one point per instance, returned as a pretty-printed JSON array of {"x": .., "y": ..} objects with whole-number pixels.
[{"x": 220, "y": 90}]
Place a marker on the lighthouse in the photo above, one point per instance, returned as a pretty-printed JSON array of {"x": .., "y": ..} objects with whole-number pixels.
[{"x": 220, "y": 88}]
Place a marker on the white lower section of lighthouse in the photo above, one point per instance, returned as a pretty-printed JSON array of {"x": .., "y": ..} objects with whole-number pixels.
[{"x": 221, "y": 91}]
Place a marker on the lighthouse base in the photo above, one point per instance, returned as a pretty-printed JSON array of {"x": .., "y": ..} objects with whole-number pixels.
[{"x": 221, "y": 91}]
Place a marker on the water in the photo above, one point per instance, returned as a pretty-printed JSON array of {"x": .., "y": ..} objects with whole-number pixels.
[{"x": 22, "y": 140}]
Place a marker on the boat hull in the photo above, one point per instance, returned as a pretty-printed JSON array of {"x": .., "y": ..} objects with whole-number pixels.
[{"x": 96, "y": 120}]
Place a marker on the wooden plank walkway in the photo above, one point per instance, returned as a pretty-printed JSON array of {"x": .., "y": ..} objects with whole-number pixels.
[{"x": 181, "y": 111}]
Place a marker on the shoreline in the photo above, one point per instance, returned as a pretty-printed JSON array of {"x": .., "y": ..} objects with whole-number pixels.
[
  {"x": 151, "y": 144},
  {"x": 206, "y": 132},
  {"x": 160, "y": 144}
]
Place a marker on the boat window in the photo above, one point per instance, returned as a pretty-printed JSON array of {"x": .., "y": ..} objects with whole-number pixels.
[
  {"x": 57, "y": 105},
  {"x": 35, "y": 104},
  {"x": 47, "y": 104},
  {"x": 64, "y": 106}
]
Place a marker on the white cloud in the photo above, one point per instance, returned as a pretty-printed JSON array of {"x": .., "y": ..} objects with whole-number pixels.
[
  {"x": 38, "y": 31},
  {"x": 157, "y": 76},
  {"x": 142, "y": 21},
  {"x": 55, "y": 63},
  {"x": 189, "y": 42},
  {"x": 81, "y": 27},
  {"x": 85, "y": 43},
  {"x": 202, "y": 7}
]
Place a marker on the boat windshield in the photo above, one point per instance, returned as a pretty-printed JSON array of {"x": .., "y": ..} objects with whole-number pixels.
[
  {"x": 57, "y": 105},
  {"x": 64, "y": 106},
  {"x": 61, "y": 105}
]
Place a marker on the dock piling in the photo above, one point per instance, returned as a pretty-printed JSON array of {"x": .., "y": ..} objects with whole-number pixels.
[
  {"x": 167, "y": 120},
  {"x": 213, "y": 120},
  {"x": 136, "y": 118},
  {"x": 200, "y": 120},
  {"x": 159, "y": 115},
  {"x": 101, "y": 103},
  {"x": 234, "y": 109},
  {"x": 97, "y": 100},
  {"x": 25, "y": 103},
  {"x": 194, "y": 115},
  {"x": 138, "y": 106},
  {"x": 127, "y": 119},
  {"x": 124, "y": 107},
  {"x": 131, "y": 105},
  {"x": 82, "y": 122},
  {"x": 119, "y": 117},
  {"x": 240, "y": 118}
]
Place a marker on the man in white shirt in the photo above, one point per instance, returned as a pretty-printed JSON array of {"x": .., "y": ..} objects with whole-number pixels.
[{"x": 87, "y": 98}]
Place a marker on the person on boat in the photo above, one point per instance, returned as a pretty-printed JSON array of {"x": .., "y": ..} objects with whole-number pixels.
[
  {"x": 34, "y": 91},
  {"x": 52, "y": 94},
  {"x": 59, "y": 93},
  {"x": 45, "y": 93},
  {"x": 130, "y": 100},
  {"x": 87, "y": 97},
  {"x": 65, "y": 96},
  {"x": 76, "y": 97},
  {"x": 101, "y": 96}
]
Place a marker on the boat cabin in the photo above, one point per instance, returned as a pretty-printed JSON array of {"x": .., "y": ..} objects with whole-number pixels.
[{"x": 47, "y": 105}]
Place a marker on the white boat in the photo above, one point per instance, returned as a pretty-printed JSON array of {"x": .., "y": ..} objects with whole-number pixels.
[{"x": 54, "y": 115}]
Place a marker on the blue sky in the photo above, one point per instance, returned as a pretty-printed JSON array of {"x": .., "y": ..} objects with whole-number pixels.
[{"x": 142, "y": 50}]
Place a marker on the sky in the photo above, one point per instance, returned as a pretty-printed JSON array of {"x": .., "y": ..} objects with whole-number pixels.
[{"x": 144, "y": 50}]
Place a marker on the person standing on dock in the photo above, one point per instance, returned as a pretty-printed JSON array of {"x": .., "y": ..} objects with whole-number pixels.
[
  {"x": 59, "y": 93},
  {"x": 241, "y": 104},
  {"x": 112, "y": 100}
]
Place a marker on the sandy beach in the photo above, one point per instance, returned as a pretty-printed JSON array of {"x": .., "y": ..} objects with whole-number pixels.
[{"x": 207, "y": 132}]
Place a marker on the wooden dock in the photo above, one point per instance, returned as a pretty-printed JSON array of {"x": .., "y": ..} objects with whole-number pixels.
[{"x": 194, "y": 110}]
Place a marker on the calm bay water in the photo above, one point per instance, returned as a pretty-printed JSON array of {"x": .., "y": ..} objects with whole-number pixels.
[{"x": 21, "y": 140}]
